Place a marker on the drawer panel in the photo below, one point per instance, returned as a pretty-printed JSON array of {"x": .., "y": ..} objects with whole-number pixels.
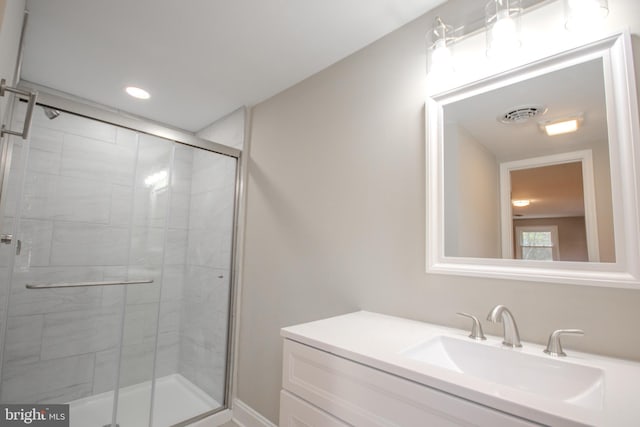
[
  {"x": 363, "y": 396},
  {"x": 295, "y": 412}
]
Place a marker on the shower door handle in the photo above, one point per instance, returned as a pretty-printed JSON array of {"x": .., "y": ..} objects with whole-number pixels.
[
  {"x": 32, "y": 95},
  {"x": 7, "y": 239},
  {"x": 86, "y": 284}
]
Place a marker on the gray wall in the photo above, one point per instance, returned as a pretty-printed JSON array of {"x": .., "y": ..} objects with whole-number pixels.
[
  {"x": 471, "y": 197},
  {"x": 228, "y": 130},
  {"x": 336, "y": 217}
]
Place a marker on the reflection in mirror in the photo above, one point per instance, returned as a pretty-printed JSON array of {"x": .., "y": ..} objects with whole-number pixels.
[
  {"x": 511, "y": 190},
  {"x": 548, "y": 208}
]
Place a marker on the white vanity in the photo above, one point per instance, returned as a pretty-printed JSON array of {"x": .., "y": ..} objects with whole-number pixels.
[{"x": 368, "y": 369}]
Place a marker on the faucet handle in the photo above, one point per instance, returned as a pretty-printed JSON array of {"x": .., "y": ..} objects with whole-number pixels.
[
  {"x": 476, "y": 329},
  {"x": 554, "y": 347}
]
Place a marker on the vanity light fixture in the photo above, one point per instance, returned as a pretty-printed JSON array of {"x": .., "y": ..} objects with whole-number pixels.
[
  {"x": 560, "y": 127},
  {"x": 137, "y": 92},
  {"x": 520, "y": 203},
  {"x": 581, "y": 15},
  {"x": 440, "y": 57},
  {"x": 502, "y": 22}
]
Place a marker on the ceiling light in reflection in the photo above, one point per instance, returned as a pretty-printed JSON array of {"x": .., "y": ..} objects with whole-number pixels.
[
  {"x": 520, "y": 203},
  {"x": 560, "y": 128}
]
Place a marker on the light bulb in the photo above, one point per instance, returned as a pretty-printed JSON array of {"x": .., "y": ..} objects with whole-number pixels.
[
  {"x": 441, "y": 58},
  {"x": 440, "y": 55},
  {"x": 504, "y": 35},
  {"x": 585, "y": 14},
  {"x": 502, "y": 19},
  {"x": 521, "y": 203}
]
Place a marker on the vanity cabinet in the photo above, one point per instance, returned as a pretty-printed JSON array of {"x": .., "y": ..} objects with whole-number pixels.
[{"x": 324, "y": 390}]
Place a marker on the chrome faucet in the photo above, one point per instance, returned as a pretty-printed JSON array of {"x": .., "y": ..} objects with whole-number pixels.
[
  {"x": 554, "y": 346},
  {"x": 500, "y": 313},
  {"x": 476, "y": 329}
]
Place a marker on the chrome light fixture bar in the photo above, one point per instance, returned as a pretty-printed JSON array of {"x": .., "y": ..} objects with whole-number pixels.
[
  {"x": 501, "y": 21},
  {"x": 442, "y": 37},
  {"x": 477, "y": 24}
]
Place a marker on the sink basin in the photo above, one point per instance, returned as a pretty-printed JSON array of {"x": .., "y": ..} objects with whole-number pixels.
[{"x": 541, "y": 375}]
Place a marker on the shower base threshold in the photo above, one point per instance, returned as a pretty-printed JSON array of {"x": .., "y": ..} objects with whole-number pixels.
[{"x": 176, "y": 399}]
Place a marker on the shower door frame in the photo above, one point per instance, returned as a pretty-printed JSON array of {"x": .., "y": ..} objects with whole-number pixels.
[{"x": 89, "y": 110}]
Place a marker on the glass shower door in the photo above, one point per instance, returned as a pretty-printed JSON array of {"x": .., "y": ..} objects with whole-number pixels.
[
  {"x": 126, "y": 243},
  {"x": 192, "y": 358},
  {"x": 72, "y": 327}
]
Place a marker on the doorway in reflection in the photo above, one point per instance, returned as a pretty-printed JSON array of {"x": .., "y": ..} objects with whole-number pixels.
[{"x": 548, "y": 213}]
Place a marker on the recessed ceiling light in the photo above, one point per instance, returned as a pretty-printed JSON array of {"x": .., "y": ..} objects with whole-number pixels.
[
  {"x": 136, "y": 92},
  {"x": 520, "y": 203}
]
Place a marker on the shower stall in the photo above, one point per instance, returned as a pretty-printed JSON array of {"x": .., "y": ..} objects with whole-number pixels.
[{"x": 116, "y": 268}]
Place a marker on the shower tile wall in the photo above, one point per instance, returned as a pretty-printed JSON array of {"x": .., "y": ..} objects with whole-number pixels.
[
  {"x": 205, "y": 308},
  {"x": 61, "y": 344},
  {"x": 174, "y": 262}
]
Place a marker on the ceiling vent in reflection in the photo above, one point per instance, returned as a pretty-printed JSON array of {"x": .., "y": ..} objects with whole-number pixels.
[{"x": 522, "y": 114}]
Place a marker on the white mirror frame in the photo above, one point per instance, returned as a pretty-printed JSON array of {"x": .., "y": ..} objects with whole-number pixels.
[{"x": 624, "y": 152}]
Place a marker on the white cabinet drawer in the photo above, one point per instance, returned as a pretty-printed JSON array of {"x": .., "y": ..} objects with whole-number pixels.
[
  {"x": 295, "y": 412},
  {"x": 363, "y": 396}
]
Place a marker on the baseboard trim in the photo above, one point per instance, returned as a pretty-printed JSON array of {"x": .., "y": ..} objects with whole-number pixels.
[{"x": 246, "y": 416}]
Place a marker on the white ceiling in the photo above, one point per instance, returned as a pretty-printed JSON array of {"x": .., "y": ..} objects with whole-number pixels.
[
  {"x": 554, "y": 191},
  {"x": 565, "y": 93},
  {"x": 200, "y": 59},
  {"x": 579, "y": 89}
]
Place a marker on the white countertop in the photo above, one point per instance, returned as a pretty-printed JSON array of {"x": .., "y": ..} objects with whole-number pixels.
[{"x": 378, "y": 340}]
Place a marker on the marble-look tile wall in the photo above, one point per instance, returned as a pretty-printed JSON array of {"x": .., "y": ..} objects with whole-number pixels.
[
  {"x": 205, "y": 307},
  {"x": 97, "y": 205}
]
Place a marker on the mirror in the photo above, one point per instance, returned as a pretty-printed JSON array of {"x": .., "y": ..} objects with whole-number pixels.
[
  {"x": 510, "y": 195},
  {"x": 499, "y": 135}
]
